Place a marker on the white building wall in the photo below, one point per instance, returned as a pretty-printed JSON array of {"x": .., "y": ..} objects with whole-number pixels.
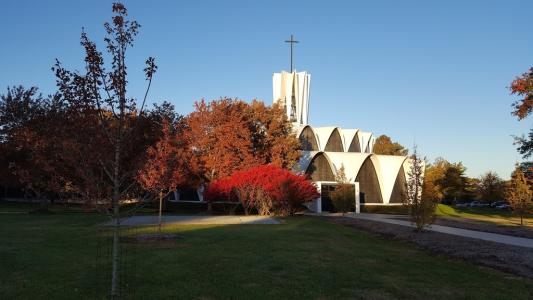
[{"x": 387, "y": 167}]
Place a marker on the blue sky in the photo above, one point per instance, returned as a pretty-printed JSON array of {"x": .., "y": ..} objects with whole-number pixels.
[{"x": 435, "y": 74}]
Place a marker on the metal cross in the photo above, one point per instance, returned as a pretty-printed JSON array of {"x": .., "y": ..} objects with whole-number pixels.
[{"x": 292, "y": 41}]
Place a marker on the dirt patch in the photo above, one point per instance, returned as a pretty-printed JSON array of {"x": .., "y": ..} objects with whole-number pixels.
[
  {"x": 507, "y": 258},
  {"x": 156, "y": 240}
]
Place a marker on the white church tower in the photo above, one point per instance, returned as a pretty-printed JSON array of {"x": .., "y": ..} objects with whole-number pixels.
[{"x": 291, "y": 91}]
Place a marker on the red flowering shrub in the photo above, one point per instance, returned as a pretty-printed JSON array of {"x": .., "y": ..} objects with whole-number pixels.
[{"x": 266, "y": 188}]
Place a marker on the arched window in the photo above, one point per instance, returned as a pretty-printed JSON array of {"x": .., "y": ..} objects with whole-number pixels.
[
  {"x": 334, "y": 143},
  {"x": 354, "y": 145},
  {"x": 308, "y": 140},
  {"x": 399, "y": 191},
  {"x": 319, "y": 169},
  {"x": 369, "y": 183}
]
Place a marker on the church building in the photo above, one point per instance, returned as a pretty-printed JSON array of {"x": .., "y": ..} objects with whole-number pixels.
[{"x": 381, "y": 178}]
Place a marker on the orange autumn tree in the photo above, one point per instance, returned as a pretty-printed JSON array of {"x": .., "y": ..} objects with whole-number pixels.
[
  {"x": 522, "y": 86},
  {"x": 169, "y": 164},
  {"x": 229, "y": 135},
  {"x": 272, "y": 136}
]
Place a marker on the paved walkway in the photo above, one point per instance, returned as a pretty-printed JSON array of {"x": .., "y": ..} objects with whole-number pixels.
[
  {"x": 197, "y": 220},
  {"x": 486, "y": 236}
]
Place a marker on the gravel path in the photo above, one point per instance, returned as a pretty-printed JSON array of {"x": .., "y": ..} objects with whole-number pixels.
[
  {"x": 475, "y": 234},
  {"x": 524, "y": 231}
]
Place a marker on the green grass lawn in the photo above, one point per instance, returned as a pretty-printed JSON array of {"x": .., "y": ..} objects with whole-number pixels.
[
  {"x": 64, "y": 256},
  {"x": 486, "y": 214}
]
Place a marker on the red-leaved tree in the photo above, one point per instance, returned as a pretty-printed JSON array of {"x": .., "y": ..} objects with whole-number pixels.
[
  {"x": 266, "y": 188},
  {"x": 523, "y": 86},
  {"x": 169, "y": 164}
]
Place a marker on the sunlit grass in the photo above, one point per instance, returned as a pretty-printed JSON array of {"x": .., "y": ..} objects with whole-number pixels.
[{"x": 486, "y": 214}]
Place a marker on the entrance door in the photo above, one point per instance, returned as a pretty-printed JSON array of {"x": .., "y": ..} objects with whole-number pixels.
[
  {"x": 325, "y": 195},
  {"x": 327, "y": 204}
]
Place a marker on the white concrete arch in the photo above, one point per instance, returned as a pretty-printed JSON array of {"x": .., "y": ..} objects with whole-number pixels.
[
  {"x": 308, "y": 156},
  {"x": 389, "y": 170},
  {"x": 348, "y": 135},
  {"x": 298, "y": 130},
  {"x": 305, "y": 160},
  {"x": 352, "y": 162},
  {"x": 386, "y": 167},
  {"x": 364, "y": 141},
  {"x": 324, "y": 133},
  {"x": 371, "y": 143},
  {"x": 378, "y": 169},
  {"x": 301, "y": 129}
]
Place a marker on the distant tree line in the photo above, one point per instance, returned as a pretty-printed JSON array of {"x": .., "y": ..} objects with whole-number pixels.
[{"x": 446, "y": 181}]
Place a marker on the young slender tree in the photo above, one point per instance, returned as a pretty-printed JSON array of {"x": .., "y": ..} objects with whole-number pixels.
[
  {"x": 519, "y": 194},
  {"x": 170, "y": 164},
  {"x": 421, "y": 209},
  {"x": 119, "y": 118},
  {"x": 343, "y": 196}
]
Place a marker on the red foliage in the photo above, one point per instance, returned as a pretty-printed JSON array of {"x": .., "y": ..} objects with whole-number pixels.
[
  {"x": 230, "y": 135},
  {"x": 523, "y": 87},
  {"x": 286, "y": 190},
  {"x": 169, "y": 164}
]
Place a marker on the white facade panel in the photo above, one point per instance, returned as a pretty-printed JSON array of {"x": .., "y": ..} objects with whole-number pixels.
[
  {"x": 292, "y": 91},
  {"x": 389, "y": 167}
]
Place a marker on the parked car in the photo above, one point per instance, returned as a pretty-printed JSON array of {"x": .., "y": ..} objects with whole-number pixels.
[
  {"x": 478, "y": 204},
  {"x": 497, "y": 203},
  {"x": 503, "y": 206},
  {"x": 473, "y": 204}
]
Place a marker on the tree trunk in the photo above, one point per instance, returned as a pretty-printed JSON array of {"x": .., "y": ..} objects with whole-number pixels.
[
  {"x": 115, "y": 255},
  {"x": 115, "y": 258},
  {"x": 160, "y": 208}
]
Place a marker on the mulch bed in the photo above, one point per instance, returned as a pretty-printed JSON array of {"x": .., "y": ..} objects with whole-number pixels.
[
  {"x": 512, "y": 259},
  {"x": 519, "y": 231}
]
